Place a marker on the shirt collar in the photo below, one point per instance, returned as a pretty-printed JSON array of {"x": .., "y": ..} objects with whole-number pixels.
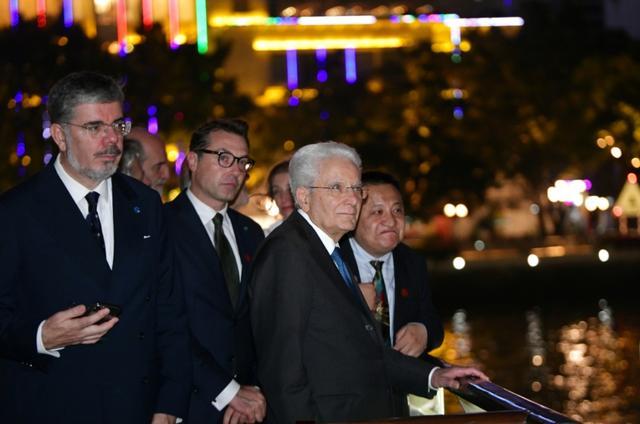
[
  {"x": 358, "y": 250},
  {"x": 326, "y": 240},
  {"x": 204, "y": 211},
  {"x": 79, "y": 191}
]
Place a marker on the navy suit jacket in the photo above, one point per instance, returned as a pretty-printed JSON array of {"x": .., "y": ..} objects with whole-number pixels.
[
  {"x": 221, "y": 340},
  {"x": 412, "y": 293},
  {"x": 320, "y": 354},
  {"x": 50, "y": 261}
]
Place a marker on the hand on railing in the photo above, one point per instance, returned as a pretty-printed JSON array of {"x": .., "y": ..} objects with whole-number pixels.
[{"x": 456, "y": 377}]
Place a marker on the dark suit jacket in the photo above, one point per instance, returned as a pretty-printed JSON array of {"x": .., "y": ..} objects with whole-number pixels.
[
  {"x": 221, "y": 339},
  {"x": 412, "y": 294},
  {"x": 50, "y": 262},
  {"x": 320, "y": 354}
]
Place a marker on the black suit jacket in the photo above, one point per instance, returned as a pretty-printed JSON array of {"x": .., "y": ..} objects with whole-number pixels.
[
  {"x": 412, "y": 293},
  {"x": 221, "y": 339},
  {"x": 320, "y": 354},
  {"x": 50, "y": 262}
]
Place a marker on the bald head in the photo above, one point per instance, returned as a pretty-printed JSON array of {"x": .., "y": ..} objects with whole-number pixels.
[{"x": 154, "y": 159}]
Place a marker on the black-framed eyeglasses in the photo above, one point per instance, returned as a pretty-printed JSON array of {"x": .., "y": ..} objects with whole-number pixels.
[
  {"x": 94, "y": 129},
  {"x": 226, "y": 159},
  {"x": 339, "y": 189}
]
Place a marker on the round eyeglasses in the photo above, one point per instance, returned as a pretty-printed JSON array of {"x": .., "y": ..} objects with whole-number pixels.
[{"x": 226, "y": 159}]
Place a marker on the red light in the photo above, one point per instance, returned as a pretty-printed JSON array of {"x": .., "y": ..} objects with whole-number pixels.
[
  {"x": 617, "y": 211},
  {"x": 632, "y": 178}
]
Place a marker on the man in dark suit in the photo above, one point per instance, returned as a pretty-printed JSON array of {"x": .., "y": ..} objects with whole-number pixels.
[
  {"x": 214, "y": 248},
  {"x": 404, "y": 307},
  {"x": 320, "y": 353},
  {"x": 396, "y": 287},
  {"x": 77, "y": 234}
]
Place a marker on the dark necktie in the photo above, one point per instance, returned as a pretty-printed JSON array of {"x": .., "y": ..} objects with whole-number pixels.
[
  {"x": 342, "y": 267},
  {"x": 381, "y": 307},
  {"x": 93, "y": 219},
  {"x": 227, "y": 259}
]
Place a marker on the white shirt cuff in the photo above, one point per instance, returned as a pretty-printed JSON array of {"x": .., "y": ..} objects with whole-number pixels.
[
  {"x": 40, "y": 344},
  {"x": 429, "y": 378},
  {"x": 226, "y": 395}
]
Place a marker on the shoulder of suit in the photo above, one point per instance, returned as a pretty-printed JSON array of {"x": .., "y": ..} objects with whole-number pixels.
[
  {"x": 407, "y": 252},
  {"x": 245, "y": 221},
  {"x": 132, "y": 187}
]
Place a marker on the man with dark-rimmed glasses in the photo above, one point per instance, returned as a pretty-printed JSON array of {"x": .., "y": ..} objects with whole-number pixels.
[
  {"x": 215, "y": 246},
  {"x": 92, "y": 325}
]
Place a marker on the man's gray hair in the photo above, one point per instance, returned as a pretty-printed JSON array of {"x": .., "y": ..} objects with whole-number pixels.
[
  {"x": 80, "y": 88},
  {"x": 304, "y": 166},
  {"x": 131, "y": 151}
]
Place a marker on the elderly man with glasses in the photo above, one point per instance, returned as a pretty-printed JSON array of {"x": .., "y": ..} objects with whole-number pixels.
[
  {"x": 92, "y": 325},
  {"x": 215, "y": 246},
  {"x": 321, "y": 354}
]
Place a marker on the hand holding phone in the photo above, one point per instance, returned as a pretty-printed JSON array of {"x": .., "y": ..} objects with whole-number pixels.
[{"x": 114, "y": 311}]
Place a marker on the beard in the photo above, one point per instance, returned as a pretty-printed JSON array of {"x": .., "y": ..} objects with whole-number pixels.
[{"x": 96, "y": 175}]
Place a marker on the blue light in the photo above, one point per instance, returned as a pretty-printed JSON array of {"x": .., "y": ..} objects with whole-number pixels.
[
  {"x": 458, "y": 113},
  {"x": 350, "y": 65},
  {"x": 21, "y": 149},
  {"x": 152, "y": 110},
  {"x": 322, "y": 76},
  {"x": 19, "y": 96},
  {"x": 47, "y": 158},
  {"x": 14, "y": 12},
  {"x": 292, "y": 70},
  {"x": 294, "y": 101},
  {"x": 67, "y": 10},
  {"x": 324, "y": 115},
  {"x": 321, "y": 55}
]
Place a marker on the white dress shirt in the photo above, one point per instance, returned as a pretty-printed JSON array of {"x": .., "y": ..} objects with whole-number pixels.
[
  {"x": 105, "y": 212},
  {"x": 367, "y": 272},
  {"x": 206, "y": 214}
]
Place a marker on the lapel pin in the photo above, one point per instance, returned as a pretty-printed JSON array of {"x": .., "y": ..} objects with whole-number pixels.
[{"x": 136, "y": 209}]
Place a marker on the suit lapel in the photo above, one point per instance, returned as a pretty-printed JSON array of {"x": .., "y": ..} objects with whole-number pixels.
[
  {"x": 242, "y": 241},
  {"x": 196, "y": 233},
  {"x": 62, "y": 218},
  {"x": 324, "y": 262}
]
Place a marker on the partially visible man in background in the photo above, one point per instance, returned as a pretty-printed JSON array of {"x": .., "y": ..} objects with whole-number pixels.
[
  {"x": 155, "y": 165},
  {"x": 131, "y": 161}
]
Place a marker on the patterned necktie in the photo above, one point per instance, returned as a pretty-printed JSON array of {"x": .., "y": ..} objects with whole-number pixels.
[
  {"x": 342, "y": 267},
  {"x": 227, "y": 259},
  {"x": 381, "y": 307},
  {"x": 93, "y": 219}
]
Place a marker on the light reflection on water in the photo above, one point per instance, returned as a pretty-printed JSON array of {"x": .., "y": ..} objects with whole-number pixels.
[{"x": 587, "y": 367}]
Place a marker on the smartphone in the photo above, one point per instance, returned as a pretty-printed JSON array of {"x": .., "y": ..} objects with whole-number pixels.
[{"x": 114, "y": 311}]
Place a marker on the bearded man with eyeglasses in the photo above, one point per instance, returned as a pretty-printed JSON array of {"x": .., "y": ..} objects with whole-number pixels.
[
  {"x": 92, "y": 325},
  {"x": 215, "y": 246}
]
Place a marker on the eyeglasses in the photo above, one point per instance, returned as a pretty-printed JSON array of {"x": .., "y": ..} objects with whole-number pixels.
[
  {"x": 226, "y": 159},
  {"x": 121, "y": 127},
  {"x": 339, "y": 189}
]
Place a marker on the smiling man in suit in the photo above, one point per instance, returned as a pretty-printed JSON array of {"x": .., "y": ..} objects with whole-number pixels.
[
  {"x": 214, "y": 247},
  {"x": 402, "y": 304},
  {"x": 396, "y": 288},
  {"x": 320, "y": 353},
  {"x": 73, "y": 235}
]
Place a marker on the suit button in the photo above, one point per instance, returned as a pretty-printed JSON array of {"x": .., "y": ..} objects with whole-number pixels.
[{"x": 141, "y": 335}]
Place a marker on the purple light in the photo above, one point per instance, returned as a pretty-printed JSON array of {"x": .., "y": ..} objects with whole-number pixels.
[
  {"x": 321, "y": 55},
  {"x": 423, "y": 18},
  {"x": 152, "y": 125},
  {"x": 21, "y": 149},
  {"x": 47, "y": 158},
  {"x": 14, "y": 12},
  {"x": 292, "y": 69},
  {"x": 18, "y": 98},
  {"x": 68, "y": 13},
  {"x": 350, "y": 65},
  {"x": 294, "y": 101},
  {"x": 394, "y": 19},
  {"x": 179, "y": 162},
  {"x": 322, "y": 75},
  {"x": 152, "y": 110},
  {"x": 588, "y": 185},
  {"x": 458, "y": 113}
]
